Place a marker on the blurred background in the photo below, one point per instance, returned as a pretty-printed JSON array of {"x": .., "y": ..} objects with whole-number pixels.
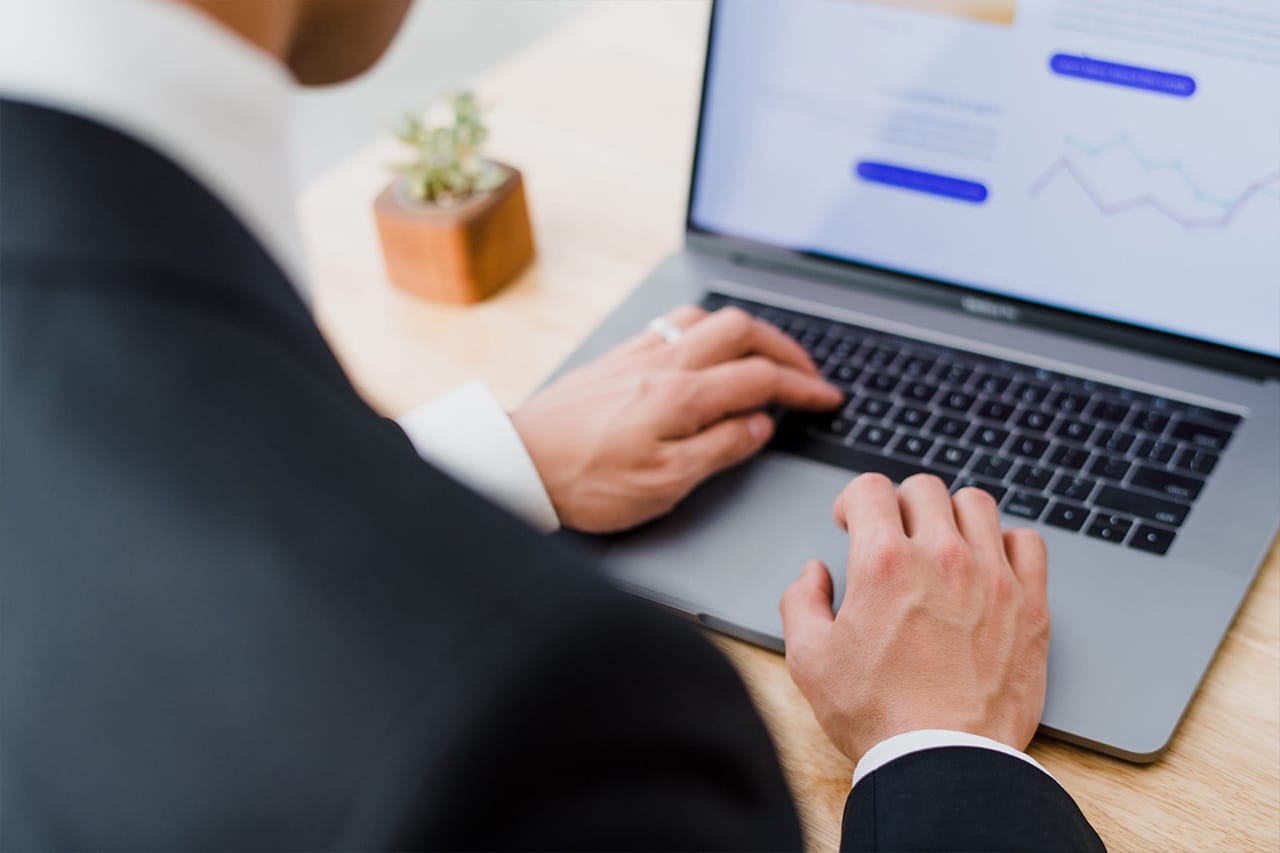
[{"x": 443, "y": 44}]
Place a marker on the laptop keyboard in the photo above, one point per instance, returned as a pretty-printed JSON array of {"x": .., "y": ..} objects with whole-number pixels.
[{"x": 1107, "y": 462}]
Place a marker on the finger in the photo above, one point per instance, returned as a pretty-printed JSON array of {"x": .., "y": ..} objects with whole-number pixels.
[
  {"x": 806, "y": 615},
  {"x": 733, "y": 333},
  {"x": 978, "y": 521},
  {"x": 1029, "y": 558},
  {"x": 868, "y": 507},
  {"x": 925, "y": 505},
  {"x": 747, "y": 384},
  {"x": 721, "y": 445},
  {"x": 683, "y": 317}
]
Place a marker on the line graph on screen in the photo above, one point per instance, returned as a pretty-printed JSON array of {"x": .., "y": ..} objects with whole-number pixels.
[{"x": 1224, "y": 208}]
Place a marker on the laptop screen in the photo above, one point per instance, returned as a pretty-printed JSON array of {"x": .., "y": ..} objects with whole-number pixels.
[{"x": 1119, "y": 158}]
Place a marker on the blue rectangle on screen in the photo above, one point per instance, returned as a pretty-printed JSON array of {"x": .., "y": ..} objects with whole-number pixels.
[
  {"x": 1119, "y": 74},
  {"x": 923, "y": 182}
]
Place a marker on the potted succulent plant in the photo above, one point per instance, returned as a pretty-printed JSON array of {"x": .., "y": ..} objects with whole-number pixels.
[{"x": 453, "y": 225}]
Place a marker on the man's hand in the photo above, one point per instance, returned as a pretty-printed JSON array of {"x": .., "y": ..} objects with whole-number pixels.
[
  {"x": 944, "y": 624},
  {"x": 622, "y": 440}
]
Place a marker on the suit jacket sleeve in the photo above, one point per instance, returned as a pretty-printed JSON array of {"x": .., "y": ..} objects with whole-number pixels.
[{"x": 963, "y": 798}]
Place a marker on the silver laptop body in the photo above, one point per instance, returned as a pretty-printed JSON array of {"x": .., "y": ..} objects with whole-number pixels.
[{"x": 973, "y": 180}]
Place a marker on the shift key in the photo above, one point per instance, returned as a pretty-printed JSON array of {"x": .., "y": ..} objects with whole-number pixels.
[
  {"x": 1177, "y": 486},
  {"x": 1145, "y": 506},
  {"x": 1202, "y": 435}
]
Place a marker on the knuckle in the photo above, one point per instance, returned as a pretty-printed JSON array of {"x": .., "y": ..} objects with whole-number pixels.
[
  {"x": 952, "y": 555},
  {"x": 676, "y": 386},
  {"x": 1003, "y": 585},
  {"x": 888, "y": 556},
  {"x": 1039, "y": 617}
]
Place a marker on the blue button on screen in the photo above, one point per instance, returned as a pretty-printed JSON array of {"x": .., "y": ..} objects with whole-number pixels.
[
  {"x": 1119, "y": 74},
  {"x": 923, "y": 182}
]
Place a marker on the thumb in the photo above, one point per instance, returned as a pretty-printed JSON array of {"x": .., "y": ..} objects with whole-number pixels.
[{"x": 806, "y": 614}]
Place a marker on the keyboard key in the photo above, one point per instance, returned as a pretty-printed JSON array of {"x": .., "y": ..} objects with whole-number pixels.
[
  {"x": 1065, "y": 515},
  {"x": 1066, "y": 456},
  {"x": 992, "y": 383},
  {"x": 836, "y": 425},
  {"x": 1073, "y": 430},
  {"x": 1073, "y": 488},
  {"x": 1135, "y": 503},
  {"x": 1148, "y": 537},
  {"x": 1149, "y": 421},
  {"x": 1197, "y": 461},
  {"x": 1034, "y": 420},
  {"x": 990, "y": 437},
  {"x": 949, "y": 427},
  {"x": 1112, "y": 528},
  {"x": 1115, "y": 440},
  {"x": 876, "y": 436},
  {"x": 956, "y": 401},
  {"x": 1110, "y": 411},
  {"x": 913, "y": 445},
  {"x": 882, "y": 356},
  {"x": 1028, "y": 447},
  {"x": 874, "y": 407},
  {"x": 1025, "y": 505},
  {"x": 1156, "y": 451},
  {"x": 1032, "y": 476},
  {"x": 994, "y": 489},
  {"x": 908, "y": 416},
  {"x": 995, "y": 410},
  {"x": 920, "y": 392},
  {"x": 917, "y": 365},
  {"x": 994, "y": 467},
  {"x": 883, "y": 382},
  {"x": 1168, "y": 483},
  {"x": 950, "y": 454},
  {"x": 1202, "y": 435},
  {"x": 957, "y": 373},
  {"x": 1111, "y": 467},
  {"x": 844, "y": 375},
  {"x": 1069, "y": 402},
  {"x": 1031, "y": 393}
]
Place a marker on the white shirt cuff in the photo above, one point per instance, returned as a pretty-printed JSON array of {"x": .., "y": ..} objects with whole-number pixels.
[
  {"x": 467, "y": 434},
  {"x": 918, "y": 741}
]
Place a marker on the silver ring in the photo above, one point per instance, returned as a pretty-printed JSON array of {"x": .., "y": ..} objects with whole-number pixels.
[{"x": 665, "y": 329}]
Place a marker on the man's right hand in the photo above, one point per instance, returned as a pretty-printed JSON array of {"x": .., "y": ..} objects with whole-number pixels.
[{"x": 944, "y": 623}]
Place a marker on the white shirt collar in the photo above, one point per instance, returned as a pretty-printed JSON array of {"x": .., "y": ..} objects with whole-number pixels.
[{"x": 176, "y": 81}]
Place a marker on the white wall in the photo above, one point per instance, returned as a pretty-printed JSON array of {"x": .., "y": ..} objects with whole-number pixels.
[{"x": 443, "y": 44}]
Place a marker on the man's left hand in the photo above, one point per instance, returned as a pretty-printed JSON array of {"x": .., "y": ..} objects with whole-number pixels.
[{"x": 622, "y": 440}]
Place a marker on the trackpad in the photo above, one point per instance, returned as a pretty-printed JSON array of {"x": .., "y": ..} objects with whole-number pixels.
[{"x": 727, "y": 553}]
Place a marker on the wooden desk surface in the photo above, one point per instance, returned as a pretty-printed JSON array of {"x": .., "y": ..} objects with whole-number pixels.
[{"x": 600, "y": 116}]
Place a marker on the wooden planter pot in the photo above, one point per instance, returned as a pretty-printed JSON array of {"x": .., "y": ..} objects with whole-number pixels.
[{"x": 462, "y": 253}]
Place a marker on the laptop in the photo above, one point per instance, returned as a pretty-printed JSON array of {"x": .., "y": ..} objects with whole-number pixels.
[{"x": 1039, "y": 247}]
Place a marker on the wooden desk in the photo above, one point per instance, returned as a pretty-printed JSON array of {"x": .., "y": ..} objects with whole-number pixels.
[{"x": 600, "y": 116}]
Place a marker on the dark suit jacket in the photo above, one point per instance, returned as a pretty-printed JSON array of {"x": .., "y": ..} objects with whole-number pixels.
[{"x": 238, "y": 611}]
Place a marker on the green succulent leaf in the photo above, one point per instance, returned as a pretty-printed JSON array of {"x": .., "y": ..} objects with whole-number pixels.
[{"x": 448, "y": 166}]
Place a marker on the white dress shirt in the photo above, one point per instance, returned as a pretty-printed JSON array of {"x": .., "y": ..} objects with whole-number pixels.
[{"x": 219, "y": 107}]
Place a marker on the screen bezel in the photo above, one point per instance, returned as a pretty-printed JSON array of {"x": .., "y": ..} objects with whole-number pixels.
[{"x": 940, "y": 291}]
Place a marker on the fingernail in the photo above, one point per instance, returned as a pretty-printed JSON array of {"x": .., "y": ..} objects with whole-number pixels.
[{"x": 759, "y": 426}]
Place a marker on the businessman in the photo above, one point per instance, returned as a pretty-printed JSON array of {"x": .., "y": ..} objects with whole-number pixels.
[{"x": 240, "y": 610}]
